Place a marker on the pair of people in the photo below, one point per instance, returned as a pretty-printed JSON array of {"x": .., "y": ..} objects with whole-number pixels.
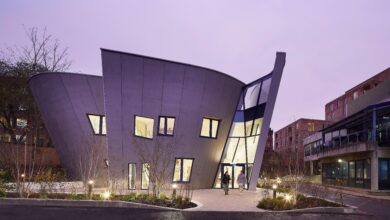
[{"x": 241, "y": 179}]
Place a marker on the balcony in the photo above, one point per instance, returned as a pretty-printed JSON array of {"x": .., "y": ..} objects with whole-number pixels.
[{"x": 354, "y": 142}]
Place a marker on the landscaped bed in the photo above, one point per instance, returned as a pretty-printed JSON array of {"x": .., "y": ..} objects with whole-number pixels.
[
  {"x": 280, "y": 203},
  {"x": 179, "y": 202}
]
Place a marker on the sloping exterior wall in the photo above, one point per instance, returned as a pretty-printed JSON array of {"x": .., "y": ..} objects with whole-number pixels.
[
  {"x": 148, "y": 87},
  {"x": 64, "y": 99}
]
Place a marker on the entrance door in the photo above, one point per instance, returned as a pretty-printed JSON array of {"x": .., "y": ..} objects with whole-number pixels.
[{"x": 234, "y": 170}]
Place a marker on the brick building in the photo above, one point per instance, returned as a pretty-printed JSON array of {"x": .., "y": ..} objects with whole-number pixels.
[
  {"x": 289, "y": 140},
  {"x": 337, "y": 109}
]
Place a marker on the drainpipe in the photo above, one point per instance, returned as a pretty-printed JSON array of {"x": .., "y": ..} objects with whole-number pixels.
[{"x": 373, "y": 130}]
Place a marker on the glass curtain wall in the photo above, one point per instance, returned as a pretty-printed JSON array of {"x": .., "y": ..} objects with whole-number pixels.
[{"x": 242, "y": 142}]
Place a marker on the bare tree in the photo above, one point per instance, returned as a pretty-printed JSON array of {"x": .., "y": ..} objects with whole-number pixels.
[
  {"x": 90, "y": 161},
  {"x": 17, "y": 64},
  {"x": 159, "y": 156}
]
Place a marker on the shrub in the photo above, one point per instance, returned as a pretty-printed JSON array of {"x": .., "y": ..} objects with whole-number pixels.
[
  {"x": 3, "y": 186},
  {"x": 43, "y": 196},
  {"x": 131, "y": 197},
  {"x": 163, "y": 196},
  {"x": 274, "y": 204},
  {"x": 142, "y": 197},
  {"x": 76, "y": 197}
]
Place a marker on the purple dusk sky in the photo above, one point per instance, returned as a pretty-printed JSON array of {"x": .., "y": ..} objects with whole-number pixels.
[{"x": 331, "y": 45}]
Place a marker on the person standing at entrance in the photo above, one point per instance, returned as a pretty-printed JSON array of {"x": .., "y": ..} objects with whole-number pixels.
[
  {"x": 241, "y": 179},
  {"x": 225, "y": 182}
]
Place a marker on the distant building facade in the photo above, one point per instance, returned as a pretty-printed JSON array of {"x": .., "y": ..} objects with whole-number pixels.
[
  {"x": 355, "y": 151},
  {"x": 337, "y": 109},
  {"x": 289, "y": 140},
  {"x": 14, "y": 139}
]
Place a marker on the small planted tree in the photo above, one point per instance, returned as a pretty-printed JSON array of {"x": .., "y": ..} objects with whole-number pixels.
[
  {"x": 158, "y": 155},
  {"x": 90, "y": 160}
]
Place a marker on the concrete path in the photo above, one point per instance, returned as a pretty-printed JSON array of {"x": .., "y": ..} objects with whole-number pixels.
[{"x": 216, "y": 200}]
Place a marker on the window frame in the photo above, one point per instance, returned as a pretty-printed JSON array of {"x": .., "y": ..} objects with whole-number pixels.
[
  {"x": 147, "y": 138},
  {"x": 181, "y": 169},
  {"x": 100, "y": 124},
  {"x": 211, "y": 128},
  {"x": 135, "y": 176},
  {"x": 166, "y": 125}
]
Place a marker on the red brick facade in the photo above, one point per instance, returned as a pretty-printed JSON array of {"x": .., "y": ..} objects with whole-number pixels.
[{"x": 336, "y": 109}]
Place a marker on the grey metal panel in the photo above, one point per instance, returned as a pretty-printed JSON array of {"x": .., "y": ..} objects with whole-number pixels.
[
  {"x": 168, "y": 88},
  {"x": 276, "y": 77},
  {"x": 63, "y": 100}
]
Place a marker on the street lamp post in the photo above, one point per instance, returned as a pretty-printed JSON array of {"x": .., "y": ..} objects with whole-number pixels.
[
  {"x": 274, "y": 187},
  {"x": 174, "y": 187},
  {"x": 90, "y": 185}
]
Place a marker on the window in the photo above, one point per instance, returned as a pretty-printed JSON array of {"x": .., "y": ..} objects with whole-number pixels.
[
  {"x": 166, "y": 125},
  {"x": 143, "y": 127},
  {"x": 310, "y": 126},
  {"x": 98, "y": 123},
  {"x": 5, "y": 138},
  {"x": 21, "y": 123},
  {"x": 145, "y": 176},
  {"x": 209, "y": 128},
  {"x": 132, "y": 175},
  {"x": 352, "y": 169},
  {"x": 182, "y": 171}
]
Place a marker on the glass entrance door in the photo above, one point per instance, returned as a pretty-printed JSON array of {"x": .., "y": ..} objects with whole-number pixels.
[{"x": 234, "y": 170}]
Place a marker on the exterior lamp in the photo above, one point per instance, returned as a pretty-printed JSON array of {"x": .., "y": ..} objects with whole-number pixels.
[
  {"x": 22, "y": 175},
  {"x": 339, "y": 160},
  {"x": 278, "y": 181},
  {"x": 274, "y": 187},
  {"x": 106, "y": 195},
  {"x": 90, "y": 184},
  {"x": 174, "y": 187},
  {"x": 287, "y": 197}
]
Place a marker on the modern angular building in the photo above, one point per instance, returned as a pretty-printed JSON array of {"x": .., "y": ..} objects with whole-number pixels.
[{"x": 146, "y": 113}]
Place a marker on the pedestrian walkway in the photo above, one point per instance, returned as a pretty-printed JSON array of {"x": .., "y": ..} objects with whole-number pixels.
[{"x": 216, "y": 200}]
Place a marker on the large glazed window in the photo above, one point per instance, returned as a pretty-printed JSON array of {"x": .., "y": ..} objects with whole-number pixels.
[
  {"x": 166, "y": 125},
  {"x": 182, "y": 171},
  {"x": 98, "y": 124},
  {"x": 132, "y": 175},
  {"x": 243, "y": 140},
  {"x": 145, "y": 176},
  {"x": 209, "y": 128},
  {"x": 143, "y": 127}
]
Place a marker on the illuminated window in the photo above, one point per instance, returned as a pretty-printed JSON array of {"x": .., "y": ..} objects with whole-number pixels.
[
  {"x": 182, "y": 171},
  {"x": 98, "y": 123},
  {"x": 310, "y": 126},
  {"x": 21, "y": 123},
  {"x": 209, "y": 128},
  {"x": 145, "y": 176},
  {"x": 166, "y": 125},
  {"x": 143, "y": 127},
  {"x": 132, "y": 175}
]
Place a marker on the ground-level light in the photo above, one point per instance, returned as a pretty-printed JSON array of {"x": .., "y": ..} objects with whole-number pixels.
[
  {"x": 287, "y": 197},
  {"x": 106, "y": 195}
]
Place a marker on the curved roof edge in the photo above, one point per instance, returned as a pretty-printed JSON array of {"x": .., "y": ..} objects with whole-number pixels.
[
  {"x": 171, "y": 61},
  {"x": 60, "y": 73}
]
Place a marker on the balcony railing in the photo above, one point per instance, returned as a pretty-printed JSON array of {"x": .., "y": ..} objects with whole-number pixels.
[{"x": 340, "y": 142}]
